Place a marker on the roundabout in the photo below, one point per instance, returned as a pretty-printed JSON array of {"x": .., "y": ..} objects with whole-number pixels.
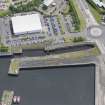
[{"x": 95, "y": 31}]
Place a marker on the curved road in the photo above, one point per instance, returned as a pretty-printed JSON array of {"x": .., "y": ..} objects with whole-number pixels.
[{"x": 91, "y": 23}]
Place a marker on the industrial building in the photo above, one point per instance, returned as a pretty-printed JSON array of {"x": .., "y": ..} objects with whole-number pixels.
[
  {"x": 48, "y": 2},
  {"x": 99, "y": 3},
  {"x": 26, "y": 24}
]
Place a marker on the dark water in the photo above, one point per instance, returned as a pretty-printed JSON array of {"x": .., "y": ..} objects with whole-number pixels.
[
  {"x": 57, "y": 86},
  {"x": 57, "y": 51},
  {"x": 32, "y": 53}
]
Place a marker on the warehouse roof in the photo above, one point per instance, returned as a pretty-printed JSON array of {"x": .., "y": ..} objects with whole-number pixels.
[{"x": 26, "y": 23}]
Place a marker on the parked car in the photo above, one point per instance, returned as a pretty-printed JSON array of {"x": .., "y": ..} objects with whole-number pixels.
[{"x": 16, "y": 99}]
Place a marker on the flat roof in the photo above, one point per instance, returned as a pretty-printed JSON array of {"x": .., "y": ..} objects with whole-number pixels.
[
  {"x": 47, "y": 2},
  {"x": 99, "y": 3},
  {"x": 26, "y": 23}
]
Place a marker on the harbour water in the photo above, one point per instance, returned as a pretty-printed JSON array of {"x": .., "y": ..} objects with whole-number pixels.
[{"x": 51, "y": 86}]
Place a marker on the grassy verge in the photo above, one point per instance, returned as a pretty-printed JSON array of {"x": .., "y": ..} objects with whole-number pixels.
[
  {"x": 74, "y": 40},
  {"x": 61, "y": 24},
  {"x": 4, "y": 48},
  {"x": 80, "y": 15},
  {"x": 33, "y": 46},
  {"x": 81, "y": 54},
  {"x": 54, "y": 59},
  {"x": 70, "y": 55},
  {"x": 95, "y": 13},
  {"x": 14, "y": 67},
  {"x": 4, "y": 13},
  {"x": 16, "y": 49},
  {"x": 66, "y": 10},
  {"x": 95, "y": 51}
]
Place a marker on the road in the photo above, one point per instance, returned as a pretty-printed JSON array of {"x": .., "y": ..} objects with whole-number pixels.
[
  {"x": 91, "y": 22},
  {"x": 86, "y": 12}
]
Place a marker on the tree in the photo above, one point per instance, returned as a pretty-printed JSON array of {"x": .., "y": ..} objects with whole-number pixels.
[{"x": 44, "y": 7}]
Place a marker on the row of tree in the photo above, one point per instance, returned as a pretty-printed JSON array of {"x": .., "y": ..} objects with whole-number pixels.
[
  {"x": 99, "y": 10},
  {"x": 73, "y": 13},
  {"x": 78, "y": 39},
  {"x": 3, "y": 48},
  {"x": 25, "y": 7}
]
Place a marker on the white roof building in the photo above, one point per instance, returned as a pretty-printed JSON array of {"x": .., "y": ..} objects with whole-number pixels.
[
  {"x": 26, "y": 24},
  {"x": 99, "y": 3},
  {"x": 48, "y": 2},
  {"x": 103, "y": 5}
]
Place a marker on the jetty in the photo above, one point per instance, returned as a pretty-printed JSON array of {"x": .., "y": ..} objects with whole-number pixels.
[
  {"x": 50, "y": 60},
  {"x": 7, "y": 97}
]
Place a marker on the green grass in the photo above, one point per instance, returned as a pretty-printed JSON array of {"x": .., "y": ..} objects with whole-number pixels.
[
  {"x": 14, "y": 67},
  {"x": 3, "y": 48},
  {"x": 30, "y": 6},
  {"x": 54, "y": 59},
  {"x": 80, "y": 15},
  {"x": 37, "y": 2},
  {"x": 96, "y": 15},
  {"x": 4, "y": 13},
  {"x": 16, "y": 49},
  {"x": 61, "y": 24},
  {"x": 66, "y": 10},
  {"x": 81, "y": 54},
  {"x": 95, "y": 51},
  {"x": 74, "y": 40},
  {"x": 77, "y": 55}
]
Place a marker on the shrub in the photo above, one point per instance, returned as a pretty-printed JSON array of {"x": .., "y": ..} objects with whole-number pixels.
[
  {"x": 99, "y": 10},
  {"x": 78, "y": 39},
  {"x": 74, "y": 15}
]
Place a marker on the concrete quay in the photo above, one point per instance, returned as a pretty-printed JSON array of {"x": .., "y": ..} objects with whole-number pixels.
[
  {"x": 5, "y": 54},
  {"x": 14, "y": 67},
  {"x": 101, "y": 80},
  {"x": 49, "y": 61},
  {"x": 7, "y": 97},
  {"x": 59, "y": 45}
]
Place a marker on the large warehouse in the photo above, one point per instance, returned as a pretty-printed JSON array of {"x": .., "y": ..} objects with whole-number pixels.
[{"x": 26, "y": 24}]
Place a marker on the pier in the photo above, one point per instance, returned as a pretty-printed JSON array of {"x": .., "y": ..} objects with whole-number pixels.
[
  {"x": 50, "y": 60},
  {"x": 7, "y": 97}
]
